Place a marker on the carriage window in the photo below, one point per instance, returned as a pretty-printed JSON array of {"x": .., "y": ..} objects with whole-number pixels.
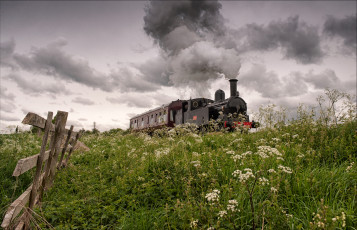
[{"x": 171, "y": 115}]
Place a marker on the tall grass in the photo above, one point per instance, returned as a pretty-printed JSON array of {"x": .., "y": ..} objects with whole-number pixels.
[
  {"x": 293, "y": 177},
  {"x": 13, "y": 147}
]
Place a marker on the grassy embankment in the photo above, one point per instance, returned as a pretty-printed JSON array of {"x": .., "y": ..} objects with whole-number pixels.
[{"x": 298, "y": 177}]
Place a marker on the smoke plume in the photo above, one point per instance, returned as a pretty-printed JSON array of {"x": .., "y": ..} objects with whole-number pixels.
[{"x": 188, "y": 33}]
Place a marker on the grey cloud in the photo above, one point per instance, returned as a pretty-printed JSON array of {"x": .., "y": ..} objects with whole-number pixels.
[
  {"x": 6, "y": 96},
  {"x": 7, "y": 106},
  {"x": 190, "y": 34},
  {"x": 165, "y": 17},
  {"x": 258, "y": 78},
  {"x": 76, "y": 124},
  {"x": 7, "y": 49},
  {"x": 270, "y": 85},
  {"x": 83, "y": 101},
  {"x": 5, "y": 117},
  {"x": 53, "y": 61},
  {"x": 131, "y": 115},
  {"x": 37, "y": 88},
  {"x": 142, "y": 100},
  {"x": 202, "y": 62},
  {"x": 325, "y": 79},
  {"x": 128, "y": 80},
  {"x": 83, "y": 119},
  {"x": 344, "y": 28},
  {"x": 132, "y": 101},
  {"x": 156, "y": 70},
  {"x": 298, "y": 40}
]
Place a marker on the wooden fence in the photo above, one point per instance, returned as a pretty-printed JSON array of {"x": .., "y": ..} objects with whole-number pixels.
[{"x": 46, "y": 162}]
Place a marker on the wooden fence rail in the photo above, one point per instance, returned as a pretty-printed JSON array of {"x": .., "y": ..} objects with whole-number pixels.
[{"x": 46, "y": 162}]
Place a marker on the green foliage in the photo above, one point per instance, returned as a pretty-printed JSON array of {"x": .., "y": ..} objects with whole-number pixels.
[
  {"x": 300, "y": 176},
  {"x": 14, "y": 147}
]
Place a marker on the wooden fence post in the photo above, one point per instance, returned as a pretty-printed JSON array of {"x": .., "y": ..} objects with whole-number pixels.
[
  {"x": 40, "y": 158},
  {"x": 65, "y": 146},
  {"x": 56, "y": 144},
  {"x": 72, "y": 148}
]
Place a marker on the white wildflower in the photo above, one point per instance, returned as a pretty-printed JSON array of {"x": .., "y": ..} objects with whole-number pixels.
[
  {"x": 230, "y": 152},
  {"x": 194, "y": 223},
  {"x": 274, "y": 190},
  {"x": 286, "y": 135},
  {"x": 271, "y": 171},
  {"x": 285, "y": 169},
  {"x": 243, "y": 177},
  {"x": 236, "y": 157},
  {"x": 236, "y": 173},
  {"x": 221, "y": 214},
  {"x": 197, "y": 164},
  {"x": 263, "y": 181},
  {"x": 213, "y": 196},
  {"x": 247, "y": 153},
  {"x": 232, "y": 204},
  {"x": 350, "y": 166}
]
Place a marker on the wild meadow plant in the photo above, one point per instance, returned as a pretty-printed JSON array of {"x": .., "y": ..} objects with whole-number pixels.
[
  {"x": 14, "y": 147},
  {"x": 297, "y": 174},
  {"x": 183, "y": 179}
]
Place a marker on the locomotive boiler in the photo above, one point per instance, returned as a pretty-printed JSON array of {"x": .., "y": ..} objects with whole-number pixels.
[{"x": 229, "y": 112}]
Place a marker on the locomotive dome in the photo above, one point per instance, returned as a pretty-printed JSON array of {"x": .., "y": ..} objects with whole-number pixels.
[{"x": 219, "y": 95}]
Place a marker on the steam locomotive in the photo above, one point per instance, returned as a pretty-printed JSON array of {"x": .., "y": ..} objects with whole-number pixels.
[{"x": 230, "y": 112}]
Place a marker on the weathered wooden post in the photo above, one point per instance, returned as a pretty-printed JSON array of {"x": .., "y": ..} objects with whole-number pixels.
[
  {"x": 55, "y": 148},
  {"x": 65, "y": 146},
  {"x": 72, "y": 148},
  {"x": 36, "y": 179}
]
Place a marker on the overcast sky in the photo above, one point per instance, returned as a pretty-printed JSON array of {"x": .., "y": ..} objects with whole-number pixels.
[{"x": 105, "y": 61}]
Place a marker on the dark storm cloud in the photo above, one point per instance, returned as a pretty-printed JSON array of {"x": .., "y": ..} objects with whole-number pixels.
[
  {"x": 53, "y": 61},
  {"x": 189, "y": 33},
  {"x": 4, "y": 95},
  {"x": 7, "y": 49},
  {"x": 156, "y": 71},
  {"x": 344, "y": 28},
  {"x": 37, "y": 88},
  {"x": 83, "y": 101},
  {"x": 165, "y": 19},
  {"x": 298, "y": 40}
]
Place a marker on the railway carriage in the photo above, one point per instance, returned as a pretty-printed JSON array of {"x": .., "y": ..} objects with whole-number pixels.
[{"x": 230, "y": 112}]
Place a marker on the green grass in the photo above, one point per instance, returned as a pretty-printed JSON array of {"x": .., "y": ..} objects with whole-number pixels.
[
  {"x": 134, "y": 181},
  {"x": 14, "y": 147}
]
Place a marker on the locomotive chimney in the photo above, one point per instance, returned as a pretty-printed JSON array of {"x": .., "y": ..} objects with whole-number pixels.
[{"x": 233, "y": 83}]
